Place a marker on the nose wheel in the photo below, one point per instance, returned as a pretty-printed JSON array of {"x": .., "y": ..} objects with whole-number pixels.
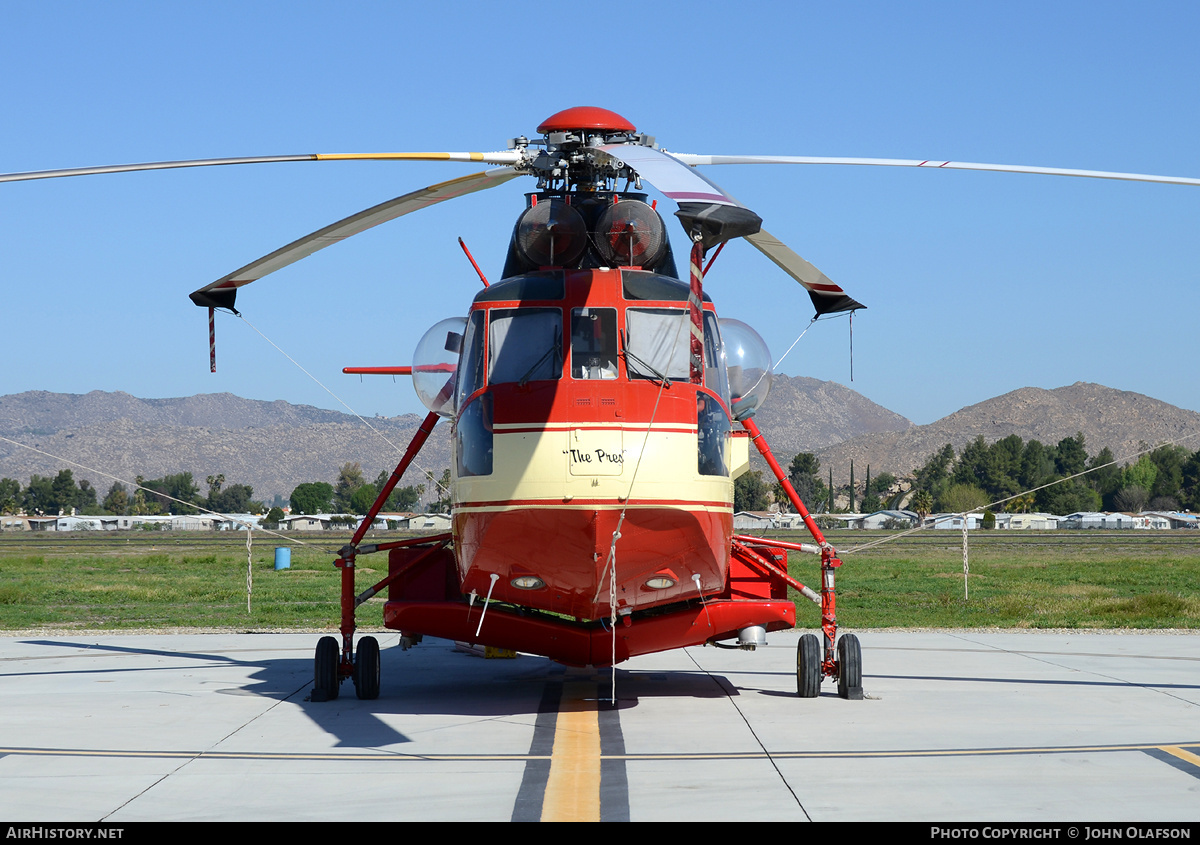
[
  {"x": 366, "y": 669},
  {"x": 849, "y": 656},
  {"x": 325, "y": 670},
  {"x": 808, "y": 666}
]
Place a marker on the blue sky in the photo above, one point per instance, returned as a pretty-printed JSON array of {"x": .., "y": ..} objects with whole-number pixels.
[{"x": 977, "y": 283}]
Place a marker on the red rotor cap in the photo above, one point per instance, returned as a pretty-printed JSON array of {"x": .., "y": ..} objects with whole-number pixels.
[{"x": 585, "y": 117}]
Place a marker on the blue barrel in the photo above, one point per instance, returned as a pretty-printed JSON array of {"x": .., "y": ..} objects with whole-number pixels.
[{"x": 283, "y": 558}]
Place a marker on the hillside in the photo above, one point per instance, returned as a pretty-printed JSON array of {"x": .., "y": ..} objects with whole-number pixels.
[
  {"x": 1118, "y": 419},
  {"x": 806, "y": 414},
  {"x": 273, "y": 446}
]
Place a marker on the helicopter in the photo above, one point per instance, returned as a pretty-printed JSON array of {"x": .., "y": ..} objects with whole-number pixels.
[{"x": 600, "y": 414}]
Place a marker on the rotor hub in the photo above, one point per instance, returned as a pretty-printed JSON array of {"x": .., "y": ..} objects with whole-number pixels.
[
  {"x": 584, "y": 118},
  {"x": 570, "y": 160}
]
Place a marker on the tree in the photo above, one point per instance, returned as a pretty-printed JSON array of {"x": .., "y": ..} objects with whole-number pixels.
[
  {"x": 10, "y": 495},
  {"x": 1141, "y": 474},
  {"x": 1104, "y": 476},
  {"x": 140, "y": 506},
  {"x": 1071, "y": 456},
  {"x": 1037, "y": 463},
  {"x": 1068, "y": 497},
  {"x": 971, "y": 463},
  {"x": 85, "y": 500},
  {"x": 1131, "y": 499},
  {"x": 274, "y": 516},
  {"x": 1163, "y": 503},
  {"x": 350, "y": 478},
  {"x": 870, "y": 504},
  {"x": 922, "y": 503},
  {"x": 233, "y": 499},
  {"x": 313, "y": 497},
  {"x": 443, "y": 502},
  {"x": 1189, "y": 490},
  {"x": 1022, "y": 503},
  {"x": 1170, "y": 461},
  {"x": 881, "y": 484},
  {"x": 402, "y": 498},
  {"x": 214, "y": 487},
  {"x": 803, "y": 474},
  {"x": 116, "y": 502},
  {"x": 962, "y": 498},
  {"x": 173, "y": 493},
  {"x": 935, "y": 474},
  {"x": 362, "y": 499},
  {"x": 39, "y": 496},
  {"x": 63, "y": 492},
  {"x": 750, "y": 492}
]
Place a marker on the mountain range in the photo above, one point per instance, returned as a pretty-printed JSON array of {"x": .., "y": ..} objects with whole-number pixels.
[
  {"x": 273, "y": 446},
  {"x": 1123, "y": 421}
]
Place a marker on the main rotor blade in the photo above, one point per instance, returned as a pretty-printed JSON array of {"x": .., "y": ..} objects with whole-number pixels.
[
  {"x": 222, "y": 292},
  {"x": 672, "y": 175},
  {"x": 669, "y": 174},
  {"x": 827, "y": 297},
  {"x": 703, "y": 207},
  {"x": 695, "y": 160},
  {"x": 506, "y": 157}
]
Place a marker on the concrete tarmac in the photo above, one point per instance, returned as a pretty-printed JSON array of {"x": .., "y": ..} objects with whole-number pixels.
[{"x": 955, "y": 726}]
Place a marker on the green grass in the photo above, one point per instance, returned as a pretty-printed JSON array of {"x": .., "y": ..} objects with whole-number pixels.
[
  {"x": 1090, "y": 579},
  {"x": 172, "y": 580}
]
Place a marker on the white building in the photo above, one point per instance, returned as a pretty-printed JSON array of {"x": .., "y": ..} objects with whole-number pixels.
[{"x": 1027, "y": 521}]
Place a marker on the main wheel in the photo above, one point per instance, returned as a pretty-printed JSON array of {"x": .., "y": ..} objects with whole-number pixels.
[
  {"x": 325, "y": 675},
  {"x": 849, "y": 655},
  {"x": 366, "y": 669},
  {"x": 808, "y": 666}
]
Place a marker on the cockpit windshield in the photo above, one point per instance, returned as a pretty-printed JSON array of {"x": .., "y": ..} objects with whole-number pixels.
[
  {"x": 525, "y": 345},
  {"x": 594, "y": 343},
  {"x": 656, "y": 343}
]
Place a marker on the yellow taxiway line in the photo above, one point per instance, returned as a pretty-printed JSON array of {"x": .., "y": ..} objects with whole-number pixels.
[{"x": 573, "y": 786}]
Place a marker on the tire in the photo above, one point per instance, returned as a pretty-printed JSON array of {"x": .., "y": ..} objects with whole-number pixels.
[
  {"x": 366, "y": 669},
  {"x": 849, "y": 655},
  {"x": 808, "y": 666},
  {"x": 325, "y": 666}
]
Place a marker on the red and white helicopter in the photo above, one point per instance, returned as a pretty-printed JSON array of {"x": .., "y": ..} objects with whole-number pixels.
[{"x": 593, "y": 396}]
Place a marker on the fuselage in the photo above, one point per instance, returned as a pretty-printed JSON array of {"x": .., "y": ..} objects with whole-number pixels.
[{"x": 585, "y": 461}]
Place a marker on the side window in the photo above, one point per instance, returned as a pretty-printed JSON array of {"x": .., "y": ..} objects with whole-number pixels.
[
  {"x": 712, "y": 428},
  {"x": 716, "y": 374},
  {"x": 594, "y": 343},
  {"x": 656, "y": 343},
  {"x": 525, "y": 345},
  {"x": 474, "y": 438},
  {"x": 470, "y": 365}
]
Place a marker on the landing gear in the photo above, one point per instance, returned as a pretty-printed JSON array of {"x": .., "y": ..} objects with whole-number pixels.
[
  {"x": 849, "y": 657},
  {"x": 325, "y": 680},
  {"x": 366, "y": 669},
  {"x": 808, "y": 666}
]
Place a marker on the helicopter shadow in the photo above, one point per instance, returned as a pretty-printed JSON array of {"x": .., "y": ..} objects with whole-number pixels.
[{"x": 433, "y": 679}]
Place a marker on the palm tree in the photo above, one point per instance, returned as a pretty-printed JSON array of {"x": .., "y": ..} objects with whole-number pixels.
[
  {"x": 1022, "y": 503},
  {"x": 922, "y": 503}
]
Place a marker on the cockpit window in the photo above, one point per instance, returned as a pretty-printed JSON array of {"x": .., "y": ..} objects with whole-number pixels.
[
  {"x": 525, "y": 345},
  {"x": 594, "y": 343},
  {"x": 656, "y": 343},
  {"x": 716, "y": 376},
  {"x": 470, "y": 365}
]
